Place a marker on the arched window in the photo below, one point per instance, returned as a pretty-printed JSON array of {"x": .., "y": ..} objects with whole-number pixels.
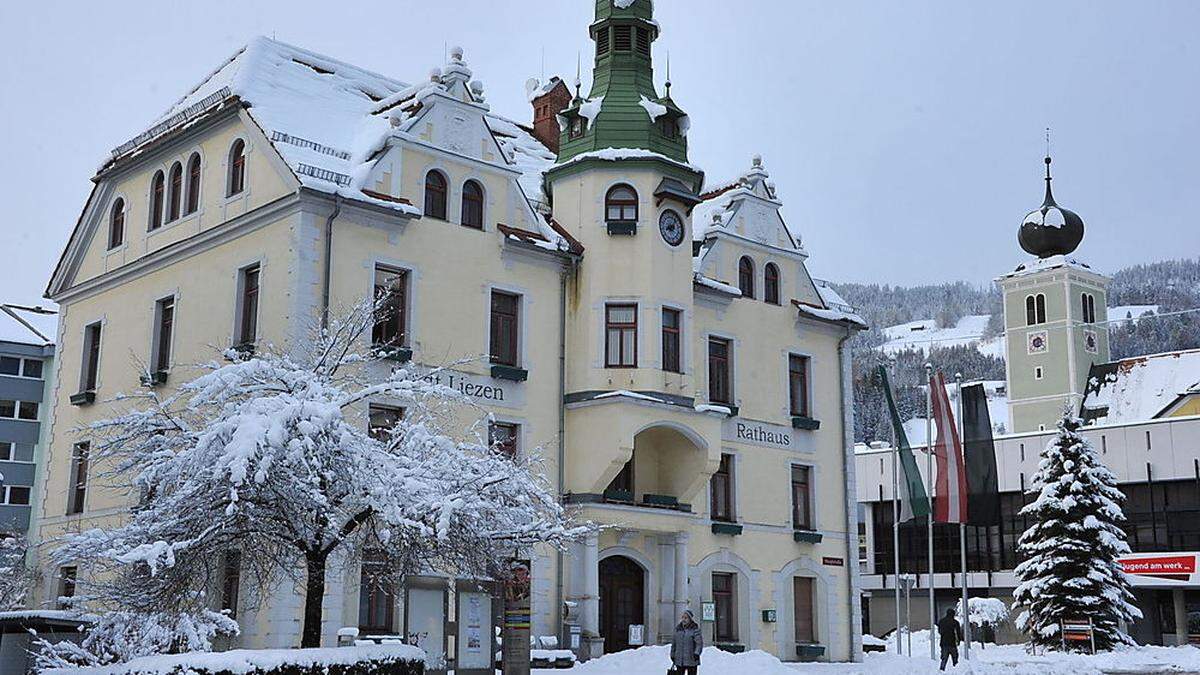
[
  {"x": 746, "y": 277},
  {"x": 157, "y": 186},
  {"x": 237, "y": 168},
  {"x": 1041, "y": 308},
  {"x": 175, "y": 191},
  {"x": 435, "y": 195},
  {"x": 1030, "y": 311},
  {"x": 472, "y": 205},
  {"x": 621, "y": 205},
  {"x": 1088, "y": 305},
  {"x": 771, "y": 284},
  {"x": 193, "y": 184},
  {"x": 116, "y": 224}
]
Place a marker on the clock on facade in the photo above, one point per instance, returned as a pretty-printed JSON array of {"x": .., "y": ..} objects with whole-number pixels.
[
  {"x": 670, "y": 226},
  {"x": 1037, "y": 342},
  {"x": 1091, "y": 344}
]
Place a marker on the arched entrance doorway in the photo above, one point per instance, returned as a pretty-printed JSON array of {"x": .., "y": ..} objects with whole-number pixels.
[{"x": 622, "y": 600}]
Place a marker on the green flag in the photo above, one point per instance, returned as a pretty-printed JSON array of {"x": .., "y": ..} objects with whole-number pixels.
[{"x": 913, "y": 501}]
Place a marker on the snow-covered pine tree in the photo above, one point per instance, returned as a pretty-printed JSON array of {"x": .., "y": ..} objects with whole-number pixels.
[
  {"x": 272, "y": 457},
  {"x": 1070, "y": 568}
]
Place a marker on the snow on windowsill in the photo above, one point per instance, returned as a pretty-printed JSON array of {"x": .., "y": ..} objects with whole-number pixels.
[{"x": 721, "y": 286}]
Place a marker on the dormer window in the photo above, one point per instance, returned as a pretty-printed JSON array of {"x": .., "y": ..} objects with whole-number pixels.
[
  {"x": 578, "y": 128},
  {"x": 621, "y": 205},
  {"x": 668, "y": 126}
]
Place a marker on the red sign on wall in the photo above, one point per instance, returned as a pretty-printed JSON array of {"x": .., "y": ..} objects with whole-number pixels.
[{"x": 1178, "y": 567}]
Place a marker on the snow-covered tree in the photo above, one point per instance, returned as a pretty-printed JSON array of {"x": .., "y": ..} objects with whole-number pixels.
[
  {"x": 272, "y": 456},
  {"x": 16, "y": 577},
  {"x": 1070, "y": 568}
]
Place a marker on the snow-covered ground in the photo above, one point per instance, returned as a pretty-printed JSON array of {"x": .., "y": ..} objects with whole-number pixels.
[
  {"x": 1115, "y": 314},
  {"x": 923, "y": 334},
  {"x": 994, "y": 660}
]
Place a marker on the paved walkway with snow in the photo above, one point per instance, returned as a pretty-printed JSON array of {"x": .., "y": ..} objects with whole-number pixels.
[{"x": 995, "y": 660}]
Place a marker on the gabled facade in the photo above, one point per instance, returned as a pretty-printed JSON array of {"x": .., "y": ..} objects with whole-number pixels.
[{"x": 663, "y": 345}]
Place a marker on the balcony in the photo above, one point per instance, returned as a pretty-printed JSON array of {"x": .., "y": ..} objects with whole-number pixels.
[{"x": 633, "y": 453}]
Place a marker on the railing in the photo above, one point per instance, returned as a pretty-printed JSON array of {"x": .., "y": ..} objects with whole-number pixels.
[{"x": 181, "y": 117}]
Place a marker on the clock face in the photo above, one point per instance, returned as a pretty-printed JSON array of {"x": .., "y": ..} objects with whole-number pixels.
[{"x": 670, "y": 226}]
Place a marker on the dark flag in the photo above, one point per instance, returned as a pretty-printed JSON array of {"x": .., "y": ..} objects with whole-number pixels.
[{"x": 983, "y": 490}]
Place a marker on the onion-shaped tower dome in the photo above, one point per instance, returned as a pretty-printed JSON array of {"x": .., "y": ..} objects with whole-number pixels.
[{"x": 1050, "y": 229}]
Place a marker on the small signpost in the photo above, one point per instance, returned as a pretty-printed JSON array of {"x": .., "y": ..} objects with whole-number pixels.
[
  {"x": 1078, "y": 630},
  {"x": 515, "y": 651},
  {"x": 708, "y": 611}
]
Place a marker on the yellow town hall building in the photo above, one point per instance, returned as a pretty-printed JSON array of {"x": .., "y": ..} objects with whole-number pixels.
[{"x": 658, "y": 339}]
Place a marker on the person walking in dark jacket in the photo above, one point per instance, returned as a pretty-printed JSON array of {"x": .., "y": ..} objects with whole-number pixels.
[
  {"x": 950, "y": 634},
  {"x": 686, "y": 645}
]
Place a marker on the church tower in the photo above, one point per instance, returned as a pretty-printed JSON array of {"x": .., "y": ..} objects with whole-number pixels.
[{"x": 1054, "y": 312}]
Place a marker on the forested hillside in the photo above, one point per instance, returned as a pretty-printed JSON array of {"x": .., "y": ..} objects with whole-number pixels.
[{"x": 1172, "y": 285}]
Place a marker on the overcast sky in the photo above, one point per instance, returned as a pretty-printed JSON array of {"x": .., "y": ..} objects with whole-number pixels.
[{"x": 905, "y": 138}]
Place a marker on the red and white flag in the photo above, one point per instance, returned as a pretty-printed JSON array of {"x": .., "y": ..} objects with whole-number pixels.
[{"x": 951, "y": 503}]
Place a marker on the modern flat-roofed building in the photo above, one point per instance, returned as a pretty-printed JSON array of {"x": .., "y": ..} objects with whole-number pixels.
[
  {"x": 1143, "y": 417},
  {"x": 27, "y": 334}
]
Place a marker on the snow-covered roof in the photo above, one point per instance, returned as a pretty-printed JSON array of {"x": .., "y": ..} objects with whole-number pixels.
[
  {"x": 1035, "y": 265},
  {"x": 28, "y": 324},
  {"x": 834, "y": 302},
  {"x": 329, "y": 119},
  {"x": 1139, "y": 388}
]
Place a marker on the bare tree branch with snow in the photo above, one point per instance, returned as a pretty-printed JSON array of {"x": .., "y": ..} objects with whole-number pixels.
[{"x": 271, "y": 456}]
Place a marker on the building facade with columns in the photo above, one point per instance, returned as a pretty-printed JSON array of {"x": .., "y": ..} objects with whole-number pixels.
[{"x": 658, "y": 340}]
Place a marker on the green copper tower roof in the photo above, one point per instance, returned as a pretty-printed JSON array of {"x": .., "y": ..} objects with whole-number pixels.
[{"x": 623, "y": 110}]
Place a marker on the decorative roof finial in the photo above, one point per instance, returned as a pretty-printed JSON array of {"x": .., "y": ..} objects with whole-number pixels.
[
  {"x": 1049, "y": 197},
  {"x": 578, "y": 81},
  {"x": 668, "y": 92}
]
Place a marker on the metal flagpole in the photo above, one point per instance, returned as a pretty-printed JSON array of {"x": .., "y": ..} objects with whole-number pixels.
[
  {"x": 929, "y": 477},
  {"x": 896, "y": 534},
  {"x": 962, "y": 542}
]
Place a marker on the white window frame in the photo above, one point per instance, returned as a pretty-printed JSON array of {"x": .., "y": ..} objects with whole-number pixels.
[
  {"x": 8, "y": 495},
  {"x": 21, "y": 362}
]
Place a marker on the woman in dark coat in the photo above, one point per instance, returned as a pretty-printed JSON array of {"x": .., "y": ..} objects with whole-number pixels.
[{"x": 687, "y": 645}]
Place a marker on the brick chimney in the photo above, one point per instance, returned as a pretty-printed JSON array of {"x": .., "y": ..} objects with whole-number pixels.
[{"x": 548, "y": 100}]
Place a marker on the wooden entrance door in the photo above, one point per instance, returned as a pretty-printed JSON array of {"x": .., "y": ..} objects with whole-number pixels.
[{"x": 622, "y": 601}]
